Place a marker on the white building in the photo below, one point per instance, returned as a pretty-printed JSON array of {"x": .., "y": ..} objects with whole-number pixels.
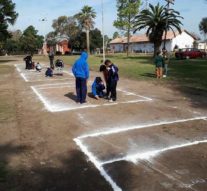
[{"x": 140, "y": 43}]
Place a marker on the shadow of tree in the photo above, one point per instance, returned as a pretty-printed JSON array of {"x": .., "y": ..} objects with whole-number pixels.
[
  {"x": 7, "y": 151},
  {"x": 75, "y": 173}
]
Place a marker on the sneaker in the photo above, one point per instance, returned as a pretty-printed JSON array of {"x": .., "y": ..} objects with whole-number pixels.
[{"x": 110, "y": 100}]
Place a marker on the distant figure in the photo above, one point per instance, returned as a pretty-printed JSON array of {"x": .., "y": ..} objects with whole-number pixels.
[
  {"x": 59, "y": 65},
  {"x": 166, "y": 59},
  {"x": 51, "y": 58},
  {"x": 38, "y": 67},
  {"x": 159, "y": 62},
  {"x": 112, "y": 80},
  {"x": 97, "y": 88},
  {"x": 49, "y": 72},
  {"x": 80, "y": 70},
  {"x": 28, "y": 62}
]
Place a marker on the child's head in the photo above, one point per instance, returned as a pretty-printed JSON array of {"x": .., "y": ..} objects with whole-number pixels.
[
  {"x": 108, "y": 62},
  {"x": 98, "y": 80}
]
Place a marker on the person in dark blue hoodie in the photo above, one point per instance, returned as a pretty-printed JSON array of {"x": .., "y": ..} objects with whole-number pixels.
[{"x": 80, "y": 70}]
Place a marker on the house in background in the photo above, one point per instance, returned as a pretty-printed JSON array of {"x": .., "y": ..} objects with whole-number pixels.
[
  {"x": 141, "y": 43},
  {"x": 62, "y": 46},
  {"x": 202, "y": 45}
]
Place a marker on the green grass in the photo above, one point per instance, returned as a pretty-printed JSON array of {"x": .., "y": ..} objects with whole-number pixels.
[{"x": 189, "y": 73}]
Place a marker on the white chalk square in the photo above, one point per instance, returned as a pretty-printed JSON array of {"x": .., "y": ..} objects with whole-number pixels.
[{"x": 61, "y": 97}]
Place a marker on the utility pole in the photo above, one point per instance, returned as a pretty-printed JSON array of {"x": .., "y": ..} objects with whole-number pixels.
[
  {"x": 166, "y": 24},
  {"x": 104, "y": 56}
]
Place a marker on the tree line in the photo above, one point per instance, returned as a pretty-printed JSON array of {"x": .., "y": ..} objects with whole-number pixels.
[{"x": 80, "y": 31}]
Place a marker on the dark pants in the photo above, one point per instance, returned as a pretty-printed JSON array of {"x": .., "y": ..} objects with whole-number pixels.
[
  {"x": 51, "y": 63},
  {"x": 113, "y": 85},
  {"x": 81, "y": 89}
]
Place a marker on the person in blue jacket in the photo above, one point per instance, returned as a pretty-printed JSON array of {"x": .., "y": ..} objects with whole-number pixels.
[
  {"x": 97, "y": 88},
  {"x": 80, "y": 70}
]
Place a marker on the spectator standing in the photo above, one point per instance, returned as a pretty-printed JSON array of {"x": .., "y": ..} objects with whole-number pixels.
[
  {"x": 166, "y": 62},
  {"x": 112, "y": 80},
  {"x": 159, "y": 62},
  {"x": 80, "y": 70},
  {"x": 51, "y": 58}
]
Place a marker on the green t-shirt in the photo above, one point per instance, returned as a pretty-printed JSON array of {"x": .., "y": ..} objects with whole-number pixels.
[{"x": 159, "y": 61}]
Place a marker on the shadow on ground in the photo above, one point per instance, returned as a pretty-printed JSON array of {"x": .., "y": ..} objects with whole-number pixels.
[{"x": 74, "y": 174}]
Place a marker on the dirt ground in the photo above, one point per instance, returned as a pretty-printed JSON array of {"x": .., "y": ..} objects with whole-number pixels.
[{"x": 153, "y": 139}]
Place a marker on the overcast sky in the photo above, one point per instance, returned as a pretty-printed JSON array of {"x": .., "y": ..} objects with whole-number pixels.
[{"x": 31, "y": 12}]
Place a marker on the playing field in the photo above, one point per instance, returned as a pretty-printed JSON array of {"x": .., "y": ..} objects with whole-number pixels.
[{"x": 151, "y": 139}]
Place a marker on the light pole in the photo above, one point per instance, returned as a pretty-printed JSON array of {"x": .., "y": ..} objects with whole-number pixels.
[
  {"x": 104, "y": 57},
  {"x": 166, "y": 24}
]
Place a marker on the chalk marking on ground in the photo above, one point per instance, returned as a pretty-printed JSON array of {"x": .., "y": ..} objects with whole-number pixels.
[
  {"x": 24, "y": 77},
  {"x": 61, "y": 107},
  {"x": 56, "y": 84},
  {"x": 147, "y": 155},
  {"x": 46, "y": 104},
  {"x": 132, "y": 93},
  {"x": 97, "y": 164},
  {"x": 169, "y": 176},
  {"x": 120, "y": 130}
]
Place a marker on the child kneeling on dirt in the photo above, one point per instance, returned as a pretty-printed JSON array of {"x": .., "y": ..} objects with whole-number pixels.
[
  {"x": 59, "y": 65},
  {"x": 97, "y": 88},
  {"x": 49, "y": 72}
]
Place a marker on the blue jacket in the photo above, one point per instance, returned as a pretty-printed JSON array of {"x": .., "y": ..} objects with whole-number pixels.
[
  {"x": 97, "y": 89},
  {"x": 80, "y": 68}
]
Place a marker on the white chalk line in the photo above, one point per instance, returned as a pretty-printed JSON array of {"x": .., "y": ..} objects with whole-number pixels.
[
  {"x": 46, "y": 104},
  {"x": 132, "y": 158},
  {"x": 97, "y": 164},
  {"x": 56, "y": 84},
  {"x": 61, "y": 107},
  {"x": 171, "y": 177},
  {"x": 147, "y": 155},
  {"x": 120, "y": 130}
]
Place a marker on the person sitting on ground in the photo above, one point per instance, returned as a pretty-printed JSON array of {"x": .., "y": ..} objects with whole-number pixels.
[
  {"x": 97, "y": 88},
  {"x": 59, "y": 65},
  {"x": 49, "y": 72},
  {"x": 38, "y": 67}
]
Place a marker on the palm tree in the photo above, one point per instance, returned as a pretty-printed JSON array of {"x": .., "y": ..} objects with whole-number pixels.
[
  {"x": 203, "y": 27},
  {"x": 85, "y": 18},
  {"x": 157, "y": 20}
]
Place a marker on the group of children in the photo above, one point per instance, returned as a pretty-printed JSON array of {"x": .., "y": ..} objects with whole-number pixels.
[
  {"x": 30, "y": 65},
  {"x": 161, "y": 63},
  {"x": 111, "y": 77}
]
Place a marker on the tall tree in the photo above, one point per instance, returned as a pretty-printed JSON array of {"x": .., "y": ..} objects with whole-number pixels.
[
  {"x": 203, "y": 26},
  {"x": 7, "y": 16},
  {"x": 30, "y": 40},
  {"x": 157, "y": 20},
  {"x": 65, "y": 26},
  {"x": 86, "y": 21},
  {"x": 115, "y": 35},
  {"x": 12, "y": 45},
  {"x": 127, "y": 10}
]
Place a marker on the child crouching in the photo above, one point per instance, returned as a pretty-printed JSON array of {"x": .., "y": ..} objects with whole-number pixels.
[{"x": 97, "y": 88}]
